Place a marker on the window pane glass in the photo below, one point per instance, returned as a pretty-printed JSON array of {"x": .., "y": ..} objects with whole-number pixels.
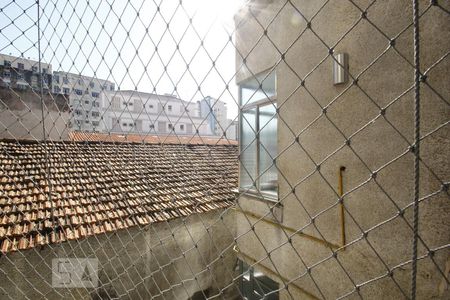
[
  {"x": 268, "y": 149},
  {"x": 248, "y": 148},
  {"x": 251, "y": 91}
]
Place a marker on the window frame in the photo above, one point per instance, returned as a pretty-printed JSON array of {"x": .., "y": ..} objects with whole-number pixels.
[
  {"x": 257, "y": 105},
  {"x": 250, "y": 285}
]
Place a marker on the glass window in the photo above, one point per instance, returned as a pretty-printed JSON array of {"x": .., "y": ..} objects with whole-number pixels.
[
  {"x": 181, "y": 126},
  {"x": 91, "y": 84},
  {"x": 169, "y": 107},
  {"x": 258, "y": 145},
  {"x": 255, "y": 285},
  {"x": 20, "y": 66},
  {"x": 248, "y": 149},
  {"x": 267, "y": 148}
]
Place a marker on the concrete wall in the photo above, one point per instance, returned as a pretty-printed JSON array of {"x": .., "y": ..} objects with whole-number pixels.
[
  {"x": 21, "y": 115},
  {"x": 369, "y": 202},
  {"x": 139, "y": 263}
]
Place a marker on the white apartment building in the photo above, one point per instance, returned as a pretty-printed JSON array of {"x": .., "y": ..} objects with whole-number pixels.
[
  {"x": 85, "y": 99},
  {"x": 139, "y": 112}
]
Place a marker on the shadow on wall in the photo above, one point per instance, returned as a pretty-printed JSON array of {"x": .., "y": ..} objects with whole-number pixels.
[{"x": 21, "y": 115}]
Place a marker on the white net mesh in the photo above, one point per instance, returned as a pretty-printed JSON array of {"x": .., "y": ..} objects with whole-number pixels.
[{"x": 264, "y": 149}]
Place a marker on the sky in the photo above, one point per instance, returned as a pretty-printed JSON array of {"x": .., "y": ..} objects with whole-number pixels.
[{"x": 148, "y": 45}]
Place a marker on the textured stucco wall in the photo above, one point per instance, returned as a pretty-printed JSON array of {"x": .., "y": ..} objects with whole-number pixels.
[
  {"x": 136, "y": 263},
  {"x": 21, "y": 115},
  {"x": 381, "y": 86}
]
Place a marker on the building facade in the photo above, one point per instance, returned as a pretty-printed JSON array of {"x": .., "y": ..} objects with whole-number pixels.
[
  {"x": 302, "y": 135},
  {"x": 215, "y": 111},
  {"x": 232, "y": 132},
  {"x": 146, "y": 113},
  {"x": 84, "y": 96},
  {"x": 22, "y": 74}
]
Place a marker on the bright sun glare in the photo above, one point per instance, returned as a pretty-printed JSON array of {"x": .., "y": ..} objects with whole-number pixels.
[{"x": 216, "y": 11}]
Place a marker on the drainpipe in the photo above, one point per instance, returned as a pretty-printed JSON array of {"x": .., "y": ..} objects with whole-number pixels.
[{"x": 341, "y": 192}]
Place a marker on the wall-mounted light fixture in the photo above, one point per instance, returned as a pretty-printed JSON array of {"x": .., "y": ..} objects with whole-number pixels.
[{"x": 340, "y": 68}]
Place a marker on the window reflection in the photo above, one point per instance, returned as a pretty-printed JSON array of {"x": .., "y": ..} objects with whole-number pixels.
[
  {"x": 258, "y": 138},
  {"x": 268, "y": 148},
  {"x": 258, "y": 88}
]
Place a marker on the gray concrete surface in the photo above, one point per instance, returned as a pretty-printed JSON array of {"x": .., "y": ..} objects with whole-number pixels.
[{"x": 21, "y": 115}]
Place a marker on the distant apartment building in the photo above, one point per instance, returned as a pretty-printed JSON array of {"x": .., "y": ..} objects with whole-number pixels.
[
  {"x": 22, "y": 74},
  {"x": 232, "y": 129},
  {"x": 84, "y": 95},
  {"x": 147, "y": 113},
  {"x": 215, "y": 113}
]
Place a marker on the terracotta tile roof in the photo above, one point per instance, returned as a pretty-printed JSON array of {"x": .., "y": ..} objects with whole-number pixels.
[
  {"x": 151, "y": 139},
  {"x": 103, "y": 187}
]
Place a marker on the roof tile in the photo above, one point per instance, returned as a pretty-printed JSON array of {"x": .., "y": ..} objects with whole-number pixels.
[{"x": 98, "y": 187}]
